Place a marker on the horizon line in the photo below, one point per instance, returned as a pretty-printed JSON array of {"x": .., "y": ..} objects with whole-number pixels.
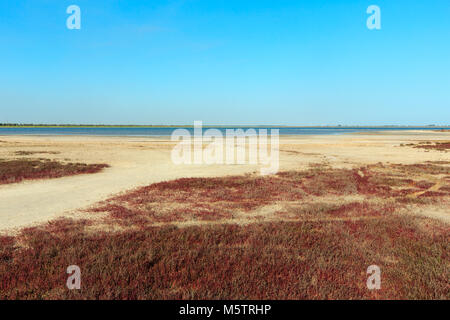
[{"x": 31, "y": 125}]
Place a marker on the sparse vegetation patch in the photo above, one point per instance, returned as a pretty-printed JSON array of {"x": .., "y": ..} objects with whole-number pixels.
[{"x": 12, "y": 171}]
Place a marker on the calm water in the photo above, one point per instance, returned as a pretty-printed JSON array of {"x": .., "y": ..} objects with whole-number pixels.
[{"x": 157, "y": 132}]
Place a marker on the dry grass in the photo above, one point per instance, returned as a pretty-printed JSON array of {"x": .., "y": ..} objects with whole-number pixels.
[{"x": 296, "y": 235}]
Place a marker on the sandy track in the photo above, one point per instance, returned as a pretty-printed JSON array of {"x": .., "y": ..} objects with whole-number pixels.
[{"x": 141, "y": 161}]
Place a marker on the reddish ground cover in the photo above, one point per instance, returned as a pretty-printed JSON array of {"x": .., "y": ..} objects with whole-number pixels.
[
  {"x": 428, "y": 145},
  {"x": 12, "y": 171},
  {"x": 317, "y": 249}
]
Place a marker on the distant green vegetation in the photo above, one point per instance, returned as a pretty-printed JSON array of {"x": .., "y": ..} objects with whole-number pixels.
[{"x": 29, "y": 125}]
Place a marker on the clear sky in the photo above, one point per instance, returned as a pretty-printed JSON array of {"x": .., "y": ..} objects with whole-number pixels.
[{"x": 225, "y": 62}]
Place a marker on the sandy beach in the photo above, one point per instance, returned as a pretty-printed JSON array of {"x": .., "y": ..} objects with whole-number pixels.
[{"x": 140, "y": 161}]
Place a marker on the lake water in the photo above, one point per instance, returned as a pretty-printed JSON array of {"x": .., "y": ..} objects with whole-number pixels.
[{"x": 162, "y": 132}]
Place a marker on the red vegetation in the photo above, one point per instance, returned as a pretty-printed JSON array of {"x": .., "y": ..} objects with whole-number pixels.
[
  {"x": 323, "y": 254},
  {"x": 301, "y": 260},
  {"x": 12, "y": 171},
  {"x": 428, "y": 145},
  {"x": 190, "y": 199}
]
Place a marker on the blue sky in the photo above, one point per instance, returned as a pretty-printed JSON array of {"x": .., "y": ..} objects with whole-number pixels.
[{"x": 225, "y": 62}]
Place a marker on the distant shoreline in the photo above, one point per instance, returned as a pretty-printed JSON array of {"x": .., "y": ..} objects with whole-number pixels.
[
  {"x": 428, "y": 127},
  {"x": 167, "y": 131}
]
